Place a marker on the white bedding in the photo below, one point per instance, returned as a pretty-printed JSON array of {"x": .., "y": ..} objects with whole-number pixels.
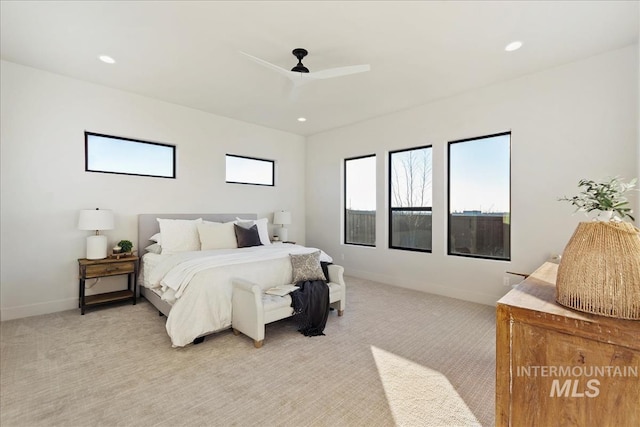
[{"x": 198, "y": 284}]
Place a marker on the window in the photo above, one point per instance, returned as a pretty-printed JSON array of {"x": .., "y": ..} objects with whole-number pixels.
[
  {"x": 360, "y": 201},
  {"x": 111, "y": 154},
  {"x": 248, "y": 170},
  {"x": 410, "y": 199},
  {"x": 479, "y": 197}
]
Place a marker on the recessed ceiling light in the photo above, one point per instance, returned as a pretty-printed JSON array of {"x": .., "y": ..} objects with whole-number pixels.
[
  {"x": 302, "y": 119},
  {"x": 107, "y": 59},
  {"x": 513, "y": 46}
]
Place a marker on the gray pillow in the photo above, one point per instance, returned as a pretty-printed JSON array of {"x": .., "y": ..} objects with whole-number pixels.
[
  {"x": 247, "y": 236},
  {"x": 307, "y": 267}
]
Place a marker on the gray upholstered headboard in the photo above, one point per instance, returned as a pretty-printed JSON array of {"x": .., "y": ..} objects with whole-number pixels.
[{"x": 148, "y": 226}]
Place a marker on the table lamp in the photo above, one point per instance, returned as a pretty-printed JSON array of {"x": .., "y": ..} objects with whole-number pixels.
[
  {"x": 283, "y": 218},
  {"x": 96, "y": 219}
]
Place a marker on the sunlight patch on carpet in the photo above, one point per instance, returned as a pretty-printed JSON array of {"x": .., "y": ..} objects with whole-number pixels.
[{"x": 418, "y": 395}]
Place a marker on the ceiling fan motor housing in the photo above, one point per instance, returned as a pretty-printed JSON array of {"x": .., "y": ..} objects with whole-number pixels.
[{"x": 300, "y": 53}]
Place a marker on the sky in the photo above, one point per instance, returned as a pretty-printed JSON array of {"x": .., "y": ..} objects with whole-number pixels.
[
  {"x": 112, "y": 154},
  {"x": 480, "y": 175},
  {"x": 361, "y": 184},
  {"x": 479, "y": 170},
  {"x": 240, "y": 169},
  {"x": 116, "y": 155}
]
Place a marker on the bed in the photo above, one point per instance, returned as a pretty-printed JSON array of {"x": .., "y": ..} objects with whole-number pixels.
[{"x": 193, "y": 288}]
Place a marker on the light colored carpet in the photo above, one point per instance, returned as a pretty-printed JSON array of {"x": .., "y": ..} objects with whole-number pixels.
[{"x": 397, "y": 357}]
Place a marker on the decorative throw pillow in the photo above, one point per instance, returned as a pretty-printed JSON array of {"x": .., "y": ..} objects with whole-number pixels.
[
  {"x": 306, "y": 267},
  {"x": 247, "y": 236},
  {"x": 216, "y": 235},
  {"x": 263, "y": 229},
  {"x": 179, "y": 235}
]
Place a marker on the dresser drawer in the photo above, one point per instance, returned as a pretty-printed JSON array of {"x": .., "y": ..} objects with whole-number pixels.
[{"x": 112, "y": 269}]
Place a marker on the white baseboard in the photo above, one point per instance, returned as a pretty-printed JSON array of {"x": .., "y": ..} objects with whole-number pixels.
[
  {"x": 9, "y": 313},
  {"x": 400, "y": 282}
]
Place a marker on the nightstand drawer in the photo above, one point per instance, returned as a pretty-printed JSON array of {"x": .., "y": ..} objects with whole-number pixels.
[{"x": 110, "y": 269}]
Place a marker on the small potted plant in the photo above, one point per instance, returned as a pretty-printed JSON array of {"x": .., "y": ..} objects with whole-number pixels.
[
  {"x": 125, "y": 246},
  {"x": 600, "y": 268},
  {"x": 607, "y": 197}
]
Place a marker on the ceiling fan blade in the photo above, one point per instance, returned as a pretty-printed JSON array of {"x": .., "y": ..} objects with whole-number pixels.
[
  {"x": 299, "y": 79},
  {"x": 269, "y": 65},
  {"x": 294, "y": 93},
  {"x": 339, "y": 72}
]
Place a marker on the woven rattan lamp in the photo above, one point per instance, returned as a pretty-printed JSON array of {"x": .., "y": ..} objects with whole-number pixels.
[{"x": 600, "y": 270}]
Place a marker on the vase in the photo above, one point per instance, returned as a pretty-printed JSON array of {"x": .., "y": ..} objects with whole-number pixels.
[
  {"x": 599, "y": 272},
  {"x": 604, "y": 216}
]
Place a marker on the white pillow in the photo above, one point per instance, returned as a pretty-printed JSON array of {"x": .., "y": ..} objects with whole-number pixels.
[
  {"x": 154, "y": 248},
  {"x": 179, "y": 235},
  {"x": 263, "y": 230},
  {"x": 215, "y": 235},
  {"x": 156, "y": 238}
]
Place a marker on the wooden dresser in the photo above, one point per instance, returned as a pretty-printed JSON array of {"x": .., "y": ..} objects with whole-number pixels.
[{"x": 560, "y": 367}]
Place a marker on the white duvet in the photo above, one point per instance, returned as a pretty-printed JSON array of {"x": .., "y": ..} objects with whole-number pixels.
[{"x": 198, "y": 284}]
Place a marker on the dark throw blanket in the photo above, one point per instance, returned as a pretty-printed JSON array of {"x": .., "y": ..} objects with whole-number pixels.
[{"x": 311, "y": 306}]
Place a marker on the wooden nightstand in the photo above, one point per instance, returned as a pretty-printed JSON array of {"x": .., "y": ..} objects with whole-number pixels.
[{"x": 95, "y": 268}]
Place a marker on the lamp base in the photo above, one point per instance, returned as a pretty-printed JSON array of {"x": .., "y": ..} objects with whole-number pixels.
[
  {"x": 283, "y": 234},
  {"x": 97, "y": 247}
]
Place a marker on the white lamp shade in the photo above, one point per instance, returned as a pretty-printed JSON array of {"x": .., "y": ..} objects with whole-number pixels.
[
  {"x": 95, "y": 219},
  {"x": 282, "y": 217}
]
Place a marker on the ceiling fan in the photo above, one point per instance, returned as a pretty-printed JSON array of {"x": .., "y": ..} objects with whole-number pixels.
[{"x": 300, "y": 74}]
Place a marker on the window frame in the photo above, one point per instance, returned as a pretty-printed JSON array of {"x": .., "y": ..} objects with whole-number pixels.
[
  {"x": 449, "y": 144},
  {"x": 344, "y": 200},
  {"x": 140, "y": 141},
  {"x": 407, "y": 209},
  {"x": 273, "y": 170}
]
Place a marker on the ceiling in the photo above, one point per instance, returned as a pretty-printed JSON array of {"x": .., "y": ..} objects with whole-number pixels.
[{"x": 187, "y": 53}]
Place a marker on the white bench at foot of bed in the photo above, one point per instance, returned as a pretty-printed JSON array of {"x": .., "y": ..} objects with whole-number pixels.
[{"x": 253, "y": 309}]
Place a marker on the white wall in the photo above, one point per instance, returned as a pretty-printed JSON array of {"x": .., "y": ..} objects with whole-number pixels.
[
  {"x": 576, "y": 121},
  {"x": 44, "y": 185}
]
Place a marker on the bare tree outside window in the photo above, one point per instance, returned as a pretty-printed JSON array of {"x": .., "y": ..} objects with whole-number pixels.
[{"x": 410, "y": 196}]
